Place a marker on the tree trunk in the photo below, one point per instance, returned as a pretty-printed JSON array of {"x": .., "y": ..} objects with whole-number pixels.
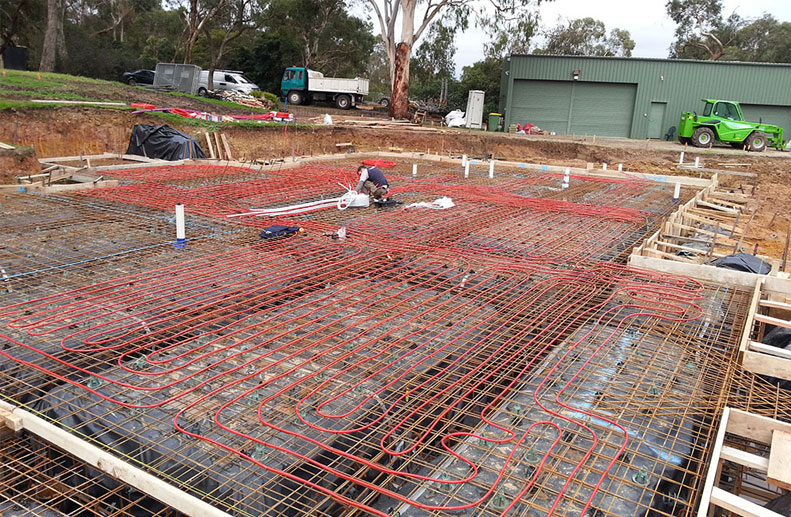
[
  {"x": 50, "y": 36},
  {"x": 192, "y": 31},
  {"x": 399, "y": 100}
]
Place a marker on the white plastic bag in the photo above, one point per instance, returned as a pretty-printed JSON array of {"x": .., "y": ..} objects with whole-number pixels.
[
  {"x": 455, "y": 119},
  {"x": 327, "y": 119},
  {"x": 438, "y": 204}
]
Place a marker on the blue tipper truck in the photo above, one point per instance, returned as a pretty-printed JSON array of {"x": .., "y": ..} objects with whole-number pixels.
[{"x": 302, "y": 85}]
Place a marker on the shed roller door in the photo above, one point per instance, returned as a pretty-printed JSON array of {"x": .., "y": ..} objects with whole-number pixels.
[
  {"x": 604, "y": 109},
  {"x": 543, "y": 103},
  {"x": 777, "y": 115},
  {"x": 565, "y": 107}
]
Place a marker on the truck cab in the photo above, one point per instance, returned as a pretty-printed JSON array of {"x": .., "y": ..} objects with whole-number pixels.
[
  {"x": 302, "y": 85},
  {"x": 295, "y": 85},
  {"x": 723, "y": 109}
]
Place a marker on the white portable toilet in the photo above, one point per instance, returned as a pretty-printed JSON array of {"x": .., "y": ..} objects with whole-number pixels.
[{"x": 475, "y": 109}]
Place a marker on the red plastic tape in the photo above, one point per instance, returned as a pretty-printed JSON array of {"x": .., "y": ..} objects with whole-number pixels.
[{"x": 179, "y": 111}]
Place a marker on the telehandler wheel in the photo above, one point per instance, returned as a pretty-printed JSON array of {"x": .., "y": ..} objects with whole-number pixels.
[
  {"x": 756, "y": 142},
  {"x": 702, "y": 137},
  {"x": 295, "y": 97}
]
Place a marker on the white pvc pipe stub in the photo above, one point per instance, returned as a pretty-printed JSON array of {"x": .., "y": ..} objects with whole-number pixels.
[
  {"x": 676, "y": 192},
  {"x": 181, "y": 236},
  {"x": 467, "y": 170},
  {"x": 491, "y": 169},
  {"x": 414, "y": 169}
]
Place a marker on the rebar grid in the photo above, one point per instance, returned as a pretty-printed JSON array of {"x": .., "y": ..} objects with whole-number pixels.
[
  {"x": 53, "y": 242},
  {"x": 481, "y": 360},
  {"x": 39, "y": 479}
]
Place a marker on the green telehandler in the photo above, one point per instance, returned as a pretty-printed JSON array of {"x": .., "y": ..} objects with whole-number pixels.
[{"x": 723, "y": 121}]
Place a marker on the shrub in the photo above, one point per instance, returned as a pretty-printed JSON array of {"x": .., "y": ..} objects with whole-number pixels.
[{"x": 271, "y": 97}]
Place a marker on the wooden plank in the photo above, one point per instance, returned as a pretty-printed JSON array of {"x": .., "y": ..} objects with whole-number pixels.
[
  {"x": 779, "y": 471},
  {"x": 227, "y": 147},
  {"x": 10, "y": 420},
  {"x": 672, "y": 257},
  {"x": 139, "y": 165},
  {"x": 709, "y": 214},
  {"x": 742, "y": 199},
  {"x": 748, "y": 324},
  {"x": 708, "y": 253},
  {"x": 218, "y": 146},
  {"x": 106, "y": 462},
  {"x": 57, "y": 188},
  {"x": 711, "y": 474},
  {"x": 764, "y": 364},
  {"x": 698, "y": 271},
  {"x": 706, "y": 221},
  {"x": 777, "y": 284},
  {"x": 137, "y": 158},
  {"x": 745, "y": 458},
  {"x": 775, "y": 305},
  {"x": 718, "y": 207},
  {"x": 722, "y": 237},
  {"x": 211, "y": 147},
  {"x": 771, "y": 350},
  {"x": 755, "y": 427},
  {"x": 726, "y": 202},
  {"x": 96, "y": 103},
  {"x": 718, "y": 171},
  {"x": 739, "y": 505},
  {"x": 773, "y": 321},
  {"x": 50, "y": 161}
]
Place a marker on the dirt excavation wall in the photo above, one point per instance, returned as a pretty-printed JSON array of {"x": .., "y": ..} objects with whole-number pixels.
[
  {"x": 17, "y": 162},
  {"x": 75, "y": 131}
]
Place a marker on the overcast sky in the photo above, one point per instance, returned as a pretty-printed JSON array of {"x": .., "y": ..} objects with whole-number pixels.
[{"x": 651, "y": 29}]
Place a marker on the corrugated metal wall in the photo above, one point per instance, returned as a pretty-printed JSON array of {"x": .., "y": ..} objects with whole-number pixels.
[{"x": 679, "y": 84}]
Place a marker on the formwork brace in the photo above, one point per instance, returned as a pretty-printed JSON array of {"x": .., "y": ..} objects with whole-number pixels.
[
  {"x": 758, "y": 429},
  {"x": 115, "y": 467}
]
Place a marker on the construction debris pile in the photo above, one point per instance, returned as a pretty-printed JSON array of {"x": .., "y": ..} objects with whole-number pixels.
[
  {"x": 494, "y": 357},
  {"x": 245, "y": 99}
]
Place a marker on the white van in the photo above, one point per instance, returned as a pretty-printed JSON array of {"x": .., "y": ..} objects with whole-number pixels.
[{"x": 225, "y": 80}]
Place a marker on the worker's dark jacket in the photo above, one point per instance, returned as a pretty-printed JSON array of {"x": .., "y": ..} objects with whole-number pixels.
[{"x": 375, "y": 175}]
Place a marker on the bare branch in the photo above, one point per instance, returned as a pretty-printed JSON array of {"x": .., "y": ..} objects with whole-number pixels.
[
  {"x": 429, "y": 16},
  {"x": 115, "y": 24},
  {"x": 381, "y": 20}
]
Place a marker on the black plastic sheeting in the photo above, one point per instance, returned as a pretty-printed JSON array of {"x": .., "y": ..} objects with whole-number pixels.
[
  {"x": 164, "y": 143},
  {"x": 743, "y": 262},
  {"x": 779, "y": 337}
]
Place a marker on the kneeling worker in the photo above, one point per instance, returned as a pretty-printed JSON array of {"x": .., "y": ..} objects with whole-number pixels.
[{"x": 372, "y": 182}]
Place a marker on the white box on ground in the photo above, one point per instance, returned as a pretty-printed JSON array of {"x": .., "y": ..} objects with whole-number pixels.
[{"x": 475, "y": 109}]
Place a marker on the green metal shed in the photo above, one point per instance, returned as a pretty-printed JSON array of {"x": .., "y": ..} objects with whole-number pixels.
[{"x": 635, "y": 97}]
